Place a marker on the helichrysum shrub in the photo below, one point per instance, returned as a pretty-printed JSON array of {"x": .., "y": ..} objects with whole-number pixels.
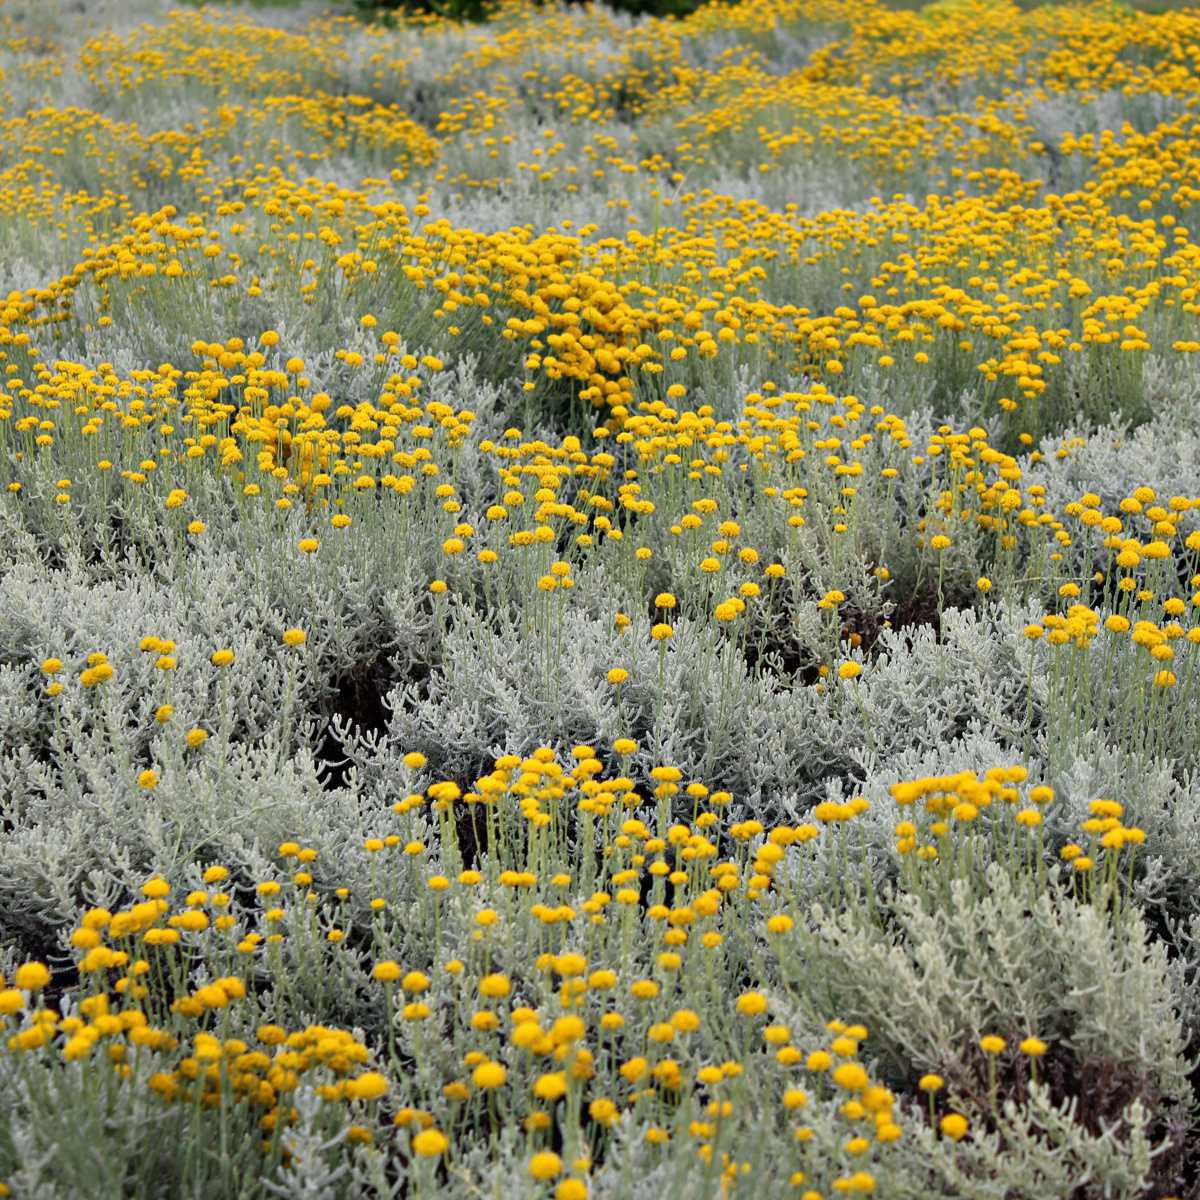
[{"x": 597, "y": 607}]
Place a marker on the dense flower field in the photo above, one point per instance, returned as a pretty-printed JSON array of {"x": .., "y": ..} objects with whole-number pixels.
[{"x": 600, "y": 608}]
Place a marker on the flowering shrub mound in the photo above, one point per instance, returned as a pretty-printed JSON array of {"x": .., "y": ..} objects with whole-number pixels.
[{"x": 599, "y": 607}]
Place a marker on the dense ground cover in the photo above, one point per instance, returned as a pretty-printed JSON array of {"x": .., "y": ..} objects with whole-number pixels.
[{"x": 599, "y": 608}]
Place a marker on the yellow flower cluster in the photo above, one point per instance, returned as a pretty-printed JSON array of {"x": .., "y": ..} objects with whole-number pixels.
[
  {"x": 928, "y": 286},
  {"x": 954, "y": 801},
  {"x": 564, "y": 1043}
]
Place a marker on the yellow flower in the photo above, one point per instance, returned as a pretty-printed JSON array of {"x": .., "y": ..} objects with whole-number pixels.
[
  {"x": 550, "y": 1086},
  {"x": 850, "y": 670},
  {"x": 294, "y": 637},
  {"x": 32, "y": 976},
  {"x": 850, "y": 1076},
  {"x": 545, "y": 1165},
  {"x": 954, "y": 1126},
  {"x": 368, "y": 1086},
  {"x": 489, "y": 1075},
  {"x": 494, "y": 986},
  {"x": 685, "y": 1020},
  {"x": 751, "y": 1004},
  {"x": 430, "y": 1143}
]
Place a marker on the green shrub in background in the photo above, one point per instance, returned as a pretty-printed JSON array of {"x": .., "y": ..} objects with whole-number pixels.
[
  {"x": 477, "y": 10},
  {"x": 459, "y": 10}
]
